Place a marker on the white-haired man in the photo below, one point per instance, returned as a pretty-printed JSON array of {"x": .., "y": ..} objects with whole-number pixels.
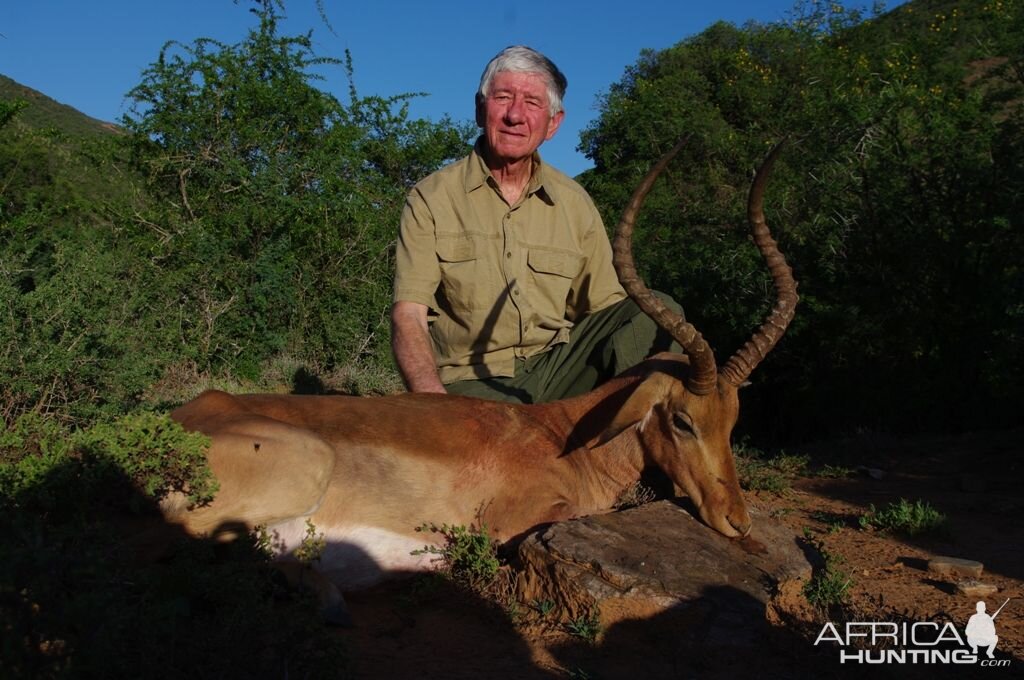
[{"x": 504, "y": 286}]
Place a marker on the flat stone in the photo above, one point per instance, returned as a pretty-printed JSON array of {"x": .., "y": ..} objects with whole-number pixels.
[
  {"x": 641, "y": 562},
  {"x": 976, "y": 588},
  {"x": 955, "y": 566}
]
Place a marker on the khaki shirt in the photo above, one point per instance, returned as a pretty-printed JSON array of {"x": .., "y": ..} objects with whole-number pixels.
[{"x": 502, "y": 282}]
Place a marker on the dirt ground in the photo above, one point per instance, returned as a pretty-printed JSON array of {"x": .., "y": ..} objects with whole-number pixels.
[{"x": 424, "y": 628}]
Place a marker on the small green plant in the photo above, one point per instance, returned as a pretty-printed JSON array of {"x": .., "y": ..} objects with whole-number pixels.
[
  {"x": 543, "y": 607},
  {"x": 312, "y": 546},
  {"x": 513, "y": 610},
  {"x": 834, "y": 523},
  {"x": 262, "y": 543},
  {"x": 760, "y": 472},
  {"x": 830, "y": 471},
  {"x": 830, "y": 585},
  {"x": 905, "y": 517},
  {"x": 586, "y": 627},
  {"x": 469, "y": 555}
]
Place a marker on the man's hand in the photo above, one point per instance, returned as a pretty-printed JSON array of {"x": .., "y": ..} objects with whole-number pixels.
[{"x": 410, "y": 342}]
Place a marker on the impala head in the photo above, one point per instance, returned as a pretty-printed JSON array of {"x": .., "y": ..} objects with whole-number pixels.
[{"x": 687, "y": 407}]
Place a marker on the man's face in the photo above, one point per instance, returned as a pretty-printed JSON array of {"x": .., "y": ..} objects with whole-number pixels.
[{"x": 515, "y": 115}]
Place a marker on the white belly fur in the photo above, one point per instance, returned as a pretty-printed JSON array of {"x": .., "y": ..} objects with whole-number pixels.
[{"x": 357, "y": 556}]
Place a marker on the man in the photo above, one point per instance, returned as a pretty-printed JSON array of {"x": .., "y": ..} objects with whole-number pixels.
[{"x": 504, "y": 285}]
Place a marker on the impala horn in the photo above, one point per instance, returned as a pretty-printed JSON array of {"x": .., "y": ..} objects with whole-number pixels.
[
  {"x": 702, "y": 359},
  {"x": 739, "y": 366},
  {"x": 704, "y": 376}
]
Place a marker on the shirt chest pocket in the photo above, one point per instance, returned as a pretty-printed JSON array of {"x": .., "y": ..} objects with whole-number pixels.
[
  {"x": 552, "y": 274},
  {"x": 458, "y": 261}
]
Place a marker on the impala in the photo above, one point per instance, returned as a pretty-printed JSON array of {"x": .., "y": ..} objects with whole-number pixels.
[{"x": 368, "y": 471}]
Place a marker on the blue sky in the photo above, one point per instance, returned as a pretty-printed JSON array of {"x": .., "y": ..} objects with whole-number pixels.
[{"x": 90, "y": 53}]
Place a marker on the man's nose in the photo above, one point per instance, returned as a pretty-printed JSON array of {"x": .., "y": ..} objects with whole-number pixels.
[{"x": 515, "y": 111}]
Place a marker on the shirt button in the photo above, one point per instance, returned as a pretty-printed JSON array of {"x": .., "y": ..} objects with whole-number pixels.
[
  {"x": 508, "y": 255},
  {"x": 516, "y": 292}
]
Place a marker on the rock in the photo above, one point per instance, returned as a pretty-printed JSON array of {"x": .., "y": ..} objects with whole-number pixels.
[
  {"x": 873, "y": 473},
  {"x": 641, "y": 562},
  {"x": 973, "y": 588},
  {"x": 955, "y": 566}
]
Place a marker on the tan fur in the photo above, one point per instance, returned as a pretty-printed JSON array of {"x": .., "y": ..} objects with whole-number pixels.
[{"x": 359, "y": 467}]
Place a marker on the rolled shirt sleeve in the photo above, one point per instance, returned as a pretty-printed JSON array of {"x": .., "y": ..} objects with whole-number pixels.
[{"x": 417, "y": 273}]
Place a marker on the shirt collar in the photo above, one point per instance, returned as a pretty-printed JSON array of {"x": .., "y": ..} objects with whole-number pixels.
[{"x": 477, "y": 174}]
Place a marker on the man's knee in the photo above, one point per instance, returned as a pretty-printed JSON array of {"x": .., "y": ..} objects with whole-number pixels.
[
  {"x": 670, "y": 303},
  {"x": 641, "y": 337},
  {"x": 649, "y": 331}
]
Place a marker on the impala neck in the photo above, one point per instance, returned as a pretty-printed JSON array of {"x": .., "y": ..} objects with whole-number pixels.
[{"x": 605, "y": 469}]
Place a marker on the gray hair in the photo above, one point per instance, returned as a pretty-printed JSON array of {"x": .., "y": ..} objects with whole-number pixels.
[{"x": 522, "y": 59}]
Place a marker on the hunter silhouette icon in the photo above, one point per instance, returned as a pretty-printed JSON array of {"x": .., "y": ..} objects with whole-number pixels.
[{"x": 981, "y": 629}]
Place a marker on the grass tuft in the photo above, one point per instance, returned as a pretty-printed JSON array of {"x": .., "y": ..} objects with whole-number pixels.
[
  {"x": 830, "y": 585},
  {"x": 911, "y": 519},
  {"x": 759, "y": 471}
]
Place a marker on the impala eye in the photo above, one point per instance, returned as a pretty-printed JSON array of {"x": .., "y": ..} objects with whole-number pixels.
[{"x": 681, "y": 423}]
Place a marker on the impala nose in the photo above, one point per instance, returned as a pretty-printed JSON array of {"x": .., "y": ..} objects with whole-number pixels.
[{"x": 741, "y": 524}]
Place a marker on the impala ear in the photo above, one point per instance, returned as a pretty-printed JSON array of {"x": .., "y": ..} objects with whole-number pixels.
[{"x": 639, "y": 406}]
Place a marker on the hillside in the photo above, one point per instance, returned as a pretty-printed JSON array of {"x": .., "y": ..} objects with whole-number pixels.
[
  {"x": 50, "y": 158},
  {"x": 43, "y": 112}
]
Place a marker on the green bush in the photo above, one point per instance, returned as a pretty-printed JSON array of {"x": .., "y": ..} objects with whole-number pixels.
[
  {"x": 898, "y": 201},
  {"x": 31, "y": 448},
  {"x": 155, "y": 453},
  {"x": 244, "y": 215},
  {"x": 46, "y": 466},
  {"x": 282, "y": 201}
]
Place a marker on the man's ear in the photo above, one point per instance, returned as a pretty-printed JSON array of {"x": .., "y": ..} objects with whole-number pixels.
[
  {"x": 553, "y": 124},
  {"x": 638, "y": 406},
  {"x": 481, "y": 112}
]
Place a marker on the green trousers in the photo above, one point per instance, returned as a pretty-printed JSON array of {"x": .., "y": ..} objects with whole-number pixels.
[{"x": 600, "y": 346}]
